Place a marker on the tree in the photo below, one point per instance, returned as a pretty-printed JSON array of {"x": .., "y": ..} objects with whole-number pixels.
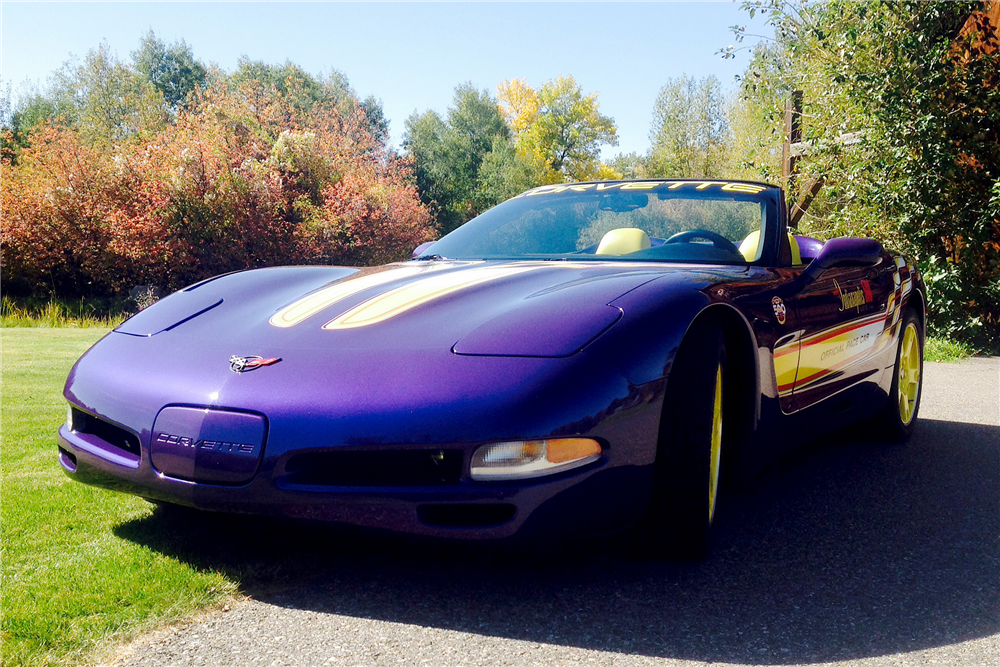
[
  {"x": 448, "y": 154},
  {"x": 503, "y": 174},
  {"x": 172, "y": 70},
  {"x": 17, "y": 123},
  {"x": 756, "y": 119},
  {"x": 629, "y": 165},
  {"x": 106, "y": 100},
  {"x": 689, "y": 129},
  {"x": 378, "y": 125},
  {"x": 423, "y": 141},
  {"x": 518, "y": 103},
  {"x": 567, "y": 132},
  {"x": 919, "y": 84},
  {"x": 474, "y": 122},
  {"x": 558, "y": 129}
]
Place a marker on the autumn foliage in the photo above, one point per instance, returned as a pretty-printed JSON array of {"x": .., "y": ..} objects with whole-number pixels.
[{"x": 245, "y": 175}]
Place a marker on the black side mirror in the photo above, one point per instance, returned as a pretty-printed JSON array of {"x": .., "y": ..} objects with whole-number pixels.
[{"x": 843, "y": 252}]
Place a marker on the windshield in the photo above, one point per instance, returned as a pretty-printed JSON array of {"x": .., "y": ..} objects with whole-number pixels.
[{"x": 699, "y": 221}]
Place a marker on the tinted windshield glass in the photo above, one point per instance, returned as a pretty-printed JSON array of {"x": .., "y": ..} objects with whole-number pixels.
[{"x": 639, "y": 220}]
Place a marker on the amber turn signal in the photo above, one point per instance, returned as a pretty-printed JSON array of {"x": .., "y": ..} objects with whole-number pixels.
[{"x": 571, "y": 449}]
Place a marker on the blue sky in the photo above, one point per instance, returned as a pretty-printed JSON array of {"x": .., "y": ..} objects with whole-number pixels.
[{"x": 410, "y": 55}]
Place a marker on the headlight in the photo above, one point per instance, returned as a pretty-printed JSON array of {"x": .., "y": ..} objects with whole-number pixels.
[{"x": 523, "y": 459}]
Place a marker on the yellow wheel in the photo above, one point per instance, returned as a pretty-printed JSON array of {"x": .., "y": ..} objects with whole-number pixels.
[
  {"x": 908, "y": 380},
  {"x": 715, "y": 454},
  {"x": 690, "y": 452},
  {"x": 900, "y": 414}
]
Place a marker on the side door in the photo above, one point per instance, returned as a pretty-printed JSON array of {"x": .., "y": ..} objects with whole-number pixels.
[{"x": 841, "y": 320}]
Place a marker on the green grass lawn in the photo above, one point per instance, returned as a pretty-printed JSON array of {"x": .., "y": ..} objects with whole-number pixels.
[
  {"x": 70, "y": 583},
  {"x": 947, "y": 350}
]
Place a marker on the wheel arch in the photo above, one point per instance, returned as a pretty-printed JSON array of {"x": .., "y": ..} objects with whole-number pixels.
[{"x": 742, "y": 390}]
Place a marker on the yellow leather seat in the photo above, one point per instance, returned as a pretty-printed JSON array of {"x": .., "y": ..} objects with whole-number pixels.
[
  {"x": 623, "y": 241},
  {"x": 749, "y": 247}
]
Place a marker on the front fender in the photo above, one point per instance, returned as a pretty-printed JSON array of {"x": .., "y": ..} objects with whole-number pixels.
[{"x": 655, "y": 318}]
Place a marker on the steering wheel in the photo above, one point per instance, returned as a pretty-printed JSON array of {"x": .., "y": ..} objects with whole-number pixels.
[{"x": 719, "y": 241}]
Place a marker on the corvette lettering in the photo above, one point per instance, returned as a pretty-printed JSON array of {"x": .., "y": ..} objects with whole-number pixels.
[
  {"x": 724, "y": 186},
  {"x": 208, "y": 445}
]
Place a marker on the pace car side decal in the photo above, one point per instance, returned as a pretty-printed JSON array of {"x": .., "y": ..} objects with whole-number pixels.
[
  {"x": 854, "y": 298},
  {"x": 786, "y": 362},
  {"x": 820, "y": 355},
  {"x": 831, "y": 350}
]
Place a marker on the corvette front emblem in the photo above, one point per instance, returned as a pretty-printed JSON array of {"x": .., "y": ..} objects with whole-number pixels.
[
  {"x": 239, "y": 364},
  {"x": 779, "y": 309}
]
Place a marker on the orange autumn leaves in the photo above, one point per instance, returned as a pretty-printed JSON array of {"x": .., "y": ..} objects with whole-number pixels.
[{"x": 242, "y": 177}]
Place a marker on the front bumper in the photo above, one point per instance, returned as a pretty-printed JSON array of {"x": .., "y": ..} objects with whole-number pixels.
[{"x": 597, "y": 498}]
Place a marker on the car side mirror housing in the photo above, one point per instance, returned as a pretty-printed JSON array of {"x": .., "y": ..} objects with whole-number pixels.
[
  {"x": 843, "y": 252},
  {"x": 421, "y": 248}
]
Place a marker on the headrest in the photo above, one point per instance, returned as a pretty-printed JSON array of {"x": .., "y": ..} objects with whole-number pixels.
[
  {"x": 796, "y": 254},
  {"x": 749, "y": 247},
  {"x": 623, "y": 241}
]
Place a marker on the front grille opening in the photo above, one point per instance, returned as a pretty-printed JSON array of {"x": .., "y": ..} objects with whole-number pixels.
[
  {"x": 113, "y": 435},
  {"x": 404, "y": 467},
  {"x": 465, "y": 515}
]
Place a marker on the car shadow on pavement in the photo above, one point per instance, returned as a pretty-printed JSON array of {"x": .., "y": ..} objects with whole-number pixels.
[{"x": 850, "y": 548}]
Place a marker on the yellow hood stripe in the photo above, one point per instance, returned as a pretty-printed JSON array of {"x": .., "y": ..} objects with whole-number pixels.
[
  {"x": 396, "y": 301},
  {"x": 322, "y": 299}
]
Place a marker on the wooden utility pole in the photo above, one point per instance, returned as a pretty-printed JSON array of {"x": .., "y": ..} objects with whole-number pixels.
[
  {"x": 793, "y": 135},
  {"x": 792, "y": 149}
]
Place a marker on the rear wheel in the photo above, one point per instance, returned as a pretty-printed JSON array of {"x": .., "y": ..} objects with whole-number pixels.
[
  {"x": 689, "y": 455},
  {"x": 900, "y": 413}
]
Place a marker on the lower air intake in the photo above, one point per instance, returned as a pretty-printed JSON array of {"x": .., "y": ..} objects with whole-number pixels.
[{"x": 465, "y": 515}]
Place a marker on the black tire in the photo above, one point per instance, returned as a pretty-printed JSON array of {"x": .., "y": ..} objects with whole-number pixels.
[
  {"x": 899, "y": 416},
  {"x": 689, "y": 453}
]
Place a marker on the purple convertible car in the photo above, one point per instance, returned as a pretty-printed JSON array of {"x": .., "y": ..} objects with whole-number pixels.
[{"x": 581, "y": 358}]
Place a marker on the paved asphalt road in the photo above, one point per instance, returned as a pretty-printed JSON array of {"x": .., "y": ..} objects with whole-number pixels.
[{"x": 851, "y": 552}]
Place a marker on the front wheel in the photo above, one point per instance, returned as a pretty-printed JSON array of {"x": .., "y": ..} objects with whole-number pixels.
[
  {"x": 689, "y": 454},
  {"x": 900, "y": 413}
]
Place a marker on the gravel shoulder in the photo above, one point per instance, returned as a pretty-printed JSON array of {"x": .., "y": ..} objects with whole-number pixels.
[{"x": 849, "y": 552}]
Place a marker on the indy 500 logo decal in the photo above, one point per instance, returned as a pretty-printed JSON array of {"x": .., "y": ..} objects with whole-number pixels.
[{"x": 780, "y": 312}]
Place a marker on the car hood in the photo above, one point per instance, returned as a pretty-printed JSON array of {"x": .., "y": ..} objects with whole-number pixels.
[
  {"x": 400, "y": 348},
  {"x": 532, "y": 309}
]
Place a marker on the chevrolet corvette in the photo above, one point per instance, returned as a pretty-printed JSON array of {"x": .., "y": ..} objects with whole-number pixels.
[{"x": 579, "y": 359}]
